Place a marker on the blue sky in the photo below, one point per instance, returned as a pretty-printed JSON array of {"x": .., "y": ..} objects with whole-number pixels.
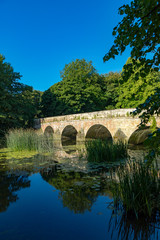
[{"x": 38, "y": 37}]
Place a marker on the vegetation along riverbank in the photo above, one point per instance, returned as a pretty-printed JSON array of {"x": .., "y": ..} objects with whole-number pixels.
[
  {"x": 133, "y": 185},
  {"x": 29, "y": 140}
]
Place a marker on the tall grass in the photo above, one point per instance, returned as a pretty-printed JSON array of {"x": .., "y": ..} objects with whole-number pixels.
[
  {"x": 101, "y": 151},
  {"x": 30, "y": 140},
  {"x": 138, "y": 189}
]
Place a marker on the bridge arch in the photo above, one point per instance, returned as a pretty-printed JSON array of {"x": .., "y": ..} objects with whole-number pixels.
[
  {"x": 69, "y": 135},
  {"x": 98, "y": 131},
  {"x": 139, "y": 136},
  {"x": 49, "y": 131}
]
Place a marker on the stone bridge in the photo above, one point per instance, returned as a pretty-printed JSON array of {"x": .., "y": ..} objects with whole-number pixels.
[{"x": 112, "y": 124}]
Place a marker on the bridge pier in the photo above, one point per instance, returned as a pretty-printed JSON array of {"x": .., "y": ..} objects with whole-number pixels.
[
  {"x": 57, "y": 139},
  {"x": 80, "y": 137}
]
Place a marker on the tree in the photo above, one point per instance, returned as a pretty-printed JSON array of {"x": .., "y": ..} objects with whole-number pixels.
[
  {"x": 29, "y": 106},
  {"x": 140, "y": 30},
  {"x": 111, "y": 89},
  {"x": 48, "y": 104},
  {"x": 81, "y": 90},
  {"x": 134, "y": 92},
  {"x": 17, "y": 102}
]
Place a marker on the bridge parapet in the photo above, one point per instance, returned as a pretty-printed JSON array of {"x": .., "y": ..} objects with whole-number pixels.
[{"x": 116, "y": 113}]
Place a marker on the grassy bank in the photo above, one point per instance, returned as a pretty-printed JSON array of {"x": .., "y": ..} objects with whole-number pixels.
[
  {"x": 101, "y": 151},
  {"x": 137, "y": 191},
  {"x": 30, "y": 140}
]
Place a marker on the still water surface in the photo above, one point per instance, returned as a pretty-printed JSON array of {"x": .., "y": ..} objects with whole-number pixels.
[{"x": 55, "y": 197}]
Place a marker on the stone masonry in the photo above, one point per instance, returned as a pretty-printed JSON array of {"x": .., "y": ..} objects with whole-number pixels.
[{"x": 118, "y": 124}]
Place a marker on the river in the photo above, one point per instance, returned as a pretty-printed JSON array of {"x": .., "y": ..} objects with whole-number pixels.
[{"x": 60, "y": 196}]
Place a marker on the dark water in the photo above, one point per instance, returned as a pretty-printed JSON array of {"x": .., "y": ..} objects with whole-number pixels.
[{"x": 43, "y": 199}]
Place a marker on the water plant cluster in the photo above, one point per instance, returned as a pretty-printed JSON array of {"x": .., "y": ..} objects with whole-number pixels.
[
  {"x": 30, "y": 140},
  {"x": 136, "y": 188},
  {"x": 137, "y": 191},
  {"x": 98, "y": 150}
]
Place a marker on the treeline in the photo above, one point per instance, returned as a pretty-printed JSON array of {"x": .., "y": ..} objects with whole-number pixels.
[
  {"x": 81, "y": 90},
  {"x": 19, "y": 103}
]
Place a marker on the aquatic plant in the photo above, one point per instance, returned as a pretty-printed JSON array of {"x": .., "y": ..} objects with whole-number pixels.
[
  {"x": 130, "y": 228},
  {"x": 137, "y": 190},
  {"x": 101, "y": 151},
  {"x": 30, "y": 140}
]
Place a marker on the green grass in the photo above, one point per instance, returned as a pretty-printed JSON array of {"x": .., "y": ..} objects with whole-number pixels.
[
  {"x": 30, "y": 140},
  {"x": 102, "y": 151},
  {"x": 138, "y": 189}
]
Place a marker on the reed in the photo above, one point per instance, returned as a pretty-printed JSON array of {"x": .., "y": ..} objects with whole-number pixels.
[
  {"x": 138, "y": 188},
  {"x": 30, "y": 140},
  {"x": 101, "y": 151}
]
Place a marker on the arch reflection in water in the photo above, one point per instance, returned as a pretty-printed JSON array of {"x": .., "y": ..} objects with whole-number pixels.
[
  {"x": 98, "y": 131},
  {"x": 68, "y": 139}
]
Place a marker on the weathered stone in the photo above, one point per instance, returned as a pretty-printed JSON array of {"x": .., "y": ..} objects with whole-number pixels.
[
  {"x": 116, "y": 124},
  {"x": 139, "y": 136}
]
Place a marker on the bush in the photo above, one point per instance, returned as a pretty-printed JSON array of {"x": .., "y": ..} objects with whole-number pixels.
[
  {"x": 101, "y": 151},
  {"x": 137, "y": 191},
  {"x": 30, "y": 140}
]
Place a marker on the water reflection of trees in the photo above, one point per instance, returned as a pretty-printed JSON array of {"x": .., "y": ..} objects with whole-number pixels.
[
  {"x": 130, "y": 228},
  {"x": 78, "y": 191},
  {"x": 10, "y": 183}
]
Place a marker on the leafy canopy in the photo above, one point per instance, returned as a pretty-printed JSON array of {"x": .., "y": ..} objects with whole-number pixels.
[
  {"x": 18, "y": 102},
  {"x": 133, "y": 91},
  {"x": 140, "y": 30},
  {"x": 82, "y": 89}
]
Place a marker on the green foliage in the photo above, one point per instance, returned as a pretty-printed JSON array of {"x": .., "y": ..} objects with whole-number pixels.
[
  {"x": 149, "y": 108},
  {"x": 111, "y": 89},
  {"x": 140, "y": 30},
  {"x": 153, "y": 125},
  {"x": 101, "y": 151},
  {"x": 137, "y": 191},
  {"x": 129, "y": 227},
  {"x": 20, "y": 139},
  {"x": 134, "y": 91},
  {"x": 82, "y": 89},
  {"x": 48, "y": 104},
  {"x": 18, "y": 102}
]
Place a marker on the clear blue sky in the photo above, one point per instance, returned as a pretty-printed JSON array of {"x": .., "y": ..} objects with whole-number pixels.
[{"x": 38, "y": 37}]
